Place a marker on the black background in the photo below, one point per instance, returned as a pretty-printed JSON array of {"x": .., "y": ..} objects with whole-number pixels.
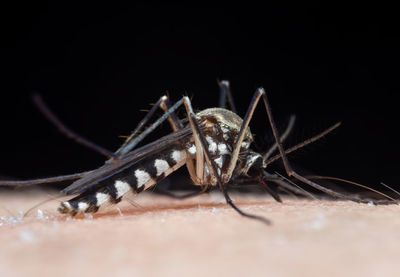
[{"x": 96, "y": 66}]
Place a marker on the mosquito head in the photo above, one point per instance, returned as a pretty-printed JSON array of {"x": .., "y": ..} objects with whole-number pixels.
[{"x": 251, "y": 164}]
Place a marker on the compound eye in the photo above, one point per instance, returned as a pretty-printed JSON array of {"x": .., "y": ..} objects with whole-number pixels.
[{"x": 255, "y": 166}]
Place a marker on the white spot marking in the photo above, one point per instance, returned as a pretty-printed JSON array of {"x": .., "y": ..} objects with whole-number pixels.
[
  {"x": 192, "y": 149},
  {"x": 212, "y": 146},
  {"x": 101, "y": 198},
  {"x": 67, "y": 205},
  {"x": 178, "y": 155},
  {"x": 82, "y": 206},
  {"x": 161, "y": 166},
  {"x": 224, "y": 129},
  {"x": 252, "y": 160},
  {"x": 245, "y": 144},
  {"x": 223, "y": 149},
  {"x": 219, "y": 161},
  {"x": 225, "y": 133},
  {"x": 121, "y": 187},
  {"x": 142, "y": 177}
]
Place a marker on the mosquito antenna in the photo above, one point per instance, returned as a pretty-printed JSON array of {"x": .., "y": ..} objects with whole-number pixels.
[
  {"x": 392, "y": 189},
  {"x": 353, "y": 183},
  {"x": 50, "y": 116},
  {"x": 309, "y": 194},
  {"x": 301, "y": 144}
]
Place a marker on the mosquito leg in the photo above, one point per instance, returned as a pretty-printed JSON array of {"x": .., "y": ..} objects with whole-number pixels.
[
  {"x": 225, "y": 94},
  {"x": 242, "y": 133},
  {"x": 163, "y": 103},
  {"x": 176, "y": 124},
  {"x": 199, "y": 145},
  {"x": 45, "y": 110},
  {"x": 284, "y": 184},
  {"x": 255, "y": 182},
  {"x": 141, "y": 124},
  {"x": 229, "y": 201},
  {"x": 174, "y": 121},
  {"x": 183, "y": 196},
  {"x": 301, "y": 144},
  {"x": 223, "y": 86},
  {"x": 211, "y": 163},
  {"x": 132, "y": 141},
  {"x": 289, "y": 128},
  {"x": 24, "y": 183},
  {"x": 272, "y": 191},
  {"x": 288, "y": 168}
]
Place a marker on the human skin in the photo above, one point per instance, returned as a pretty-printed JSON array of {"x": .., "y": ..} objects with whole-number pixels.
[{"x": 200, "y": 236}]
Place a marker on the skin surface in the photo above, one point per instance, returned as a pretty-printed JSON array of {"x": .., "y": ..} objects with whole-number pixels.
[{"x": 200, "y": 236}]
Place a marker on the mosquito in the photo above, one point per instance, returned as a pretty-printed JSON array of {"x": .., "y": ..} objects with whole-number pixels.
[{"x": 214, "y": 145}]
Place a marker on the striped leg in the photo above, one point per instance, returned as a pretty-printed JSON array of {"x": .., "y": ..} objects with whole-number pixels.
[
  {"x": 194, "y": 170},
  {"x": 176, "y": 124}
]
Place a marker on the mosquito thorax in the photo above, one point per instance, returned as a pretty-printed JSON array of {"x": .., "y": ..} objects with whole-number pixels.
[
  {"x": 221, "y": 129},
  {"x": 226, "y": 122}
]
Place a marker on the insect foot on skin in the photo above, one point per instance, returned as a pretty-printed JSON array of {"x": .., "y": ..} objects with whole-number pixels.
[{"x": 214, "y": 145}]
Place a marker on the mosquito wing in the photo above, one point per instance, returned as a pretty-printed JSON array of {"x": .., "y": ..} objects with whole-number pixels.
[{"x": 117, "y": 166}]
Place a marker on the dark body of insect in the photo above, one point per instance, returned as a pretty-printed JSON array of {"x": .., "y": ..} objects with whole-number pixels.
[{"x": 221, "y": 128}]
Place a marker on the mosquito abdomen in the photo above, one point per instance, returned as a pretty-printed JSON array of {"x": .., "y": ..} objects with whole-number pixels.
[{"x": 138, "y": 178}]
